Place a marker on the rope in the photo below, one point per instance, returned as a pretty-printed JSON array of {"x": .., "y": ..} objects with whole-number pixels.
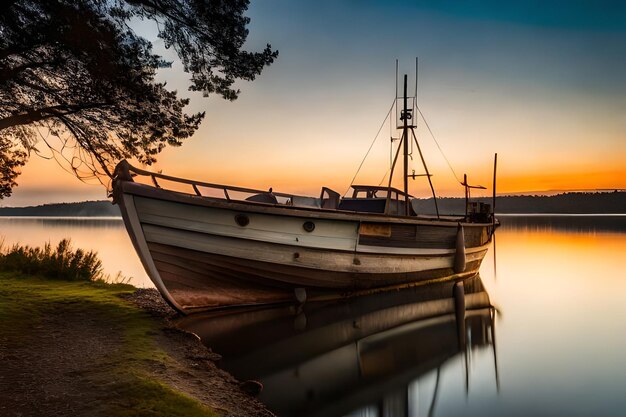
[
  {"x": 439, "y": 147},
  {"x": 370, "y": 148},
  {"x": 386, "y": 173}
]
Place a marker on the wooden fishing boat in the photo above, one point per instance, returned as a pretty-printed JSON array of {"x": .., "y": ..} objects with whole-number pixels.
[{"x": 208, "y": 245}]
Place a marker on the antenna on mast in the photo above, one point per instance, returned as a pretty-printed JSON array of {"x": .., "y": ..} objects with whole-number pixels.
[
  {"x": 416, "y": 73},
  {"x": 396, "y": 92},
  {"x": 396, "y": 97}
]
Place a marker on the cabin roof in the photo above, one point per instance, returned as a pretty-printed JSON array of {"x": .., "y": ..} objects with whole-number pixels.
[{"x": 377, "y": 188}]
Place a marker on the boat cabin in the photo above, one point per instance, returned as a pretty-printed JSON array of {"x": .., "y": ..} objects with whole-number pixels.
[
  {"x": 364, "y": 199},
  {"x": 375, "y": 199}
]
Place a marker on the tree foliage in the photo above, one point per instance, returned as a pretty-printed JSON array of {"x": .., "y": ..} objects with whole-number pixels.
[{"x": 74, "y": 74}]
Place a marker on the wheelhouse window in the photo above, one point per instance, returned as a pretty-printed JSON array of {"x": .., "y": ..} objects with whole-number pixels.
[{"x": 373, "y": 199}]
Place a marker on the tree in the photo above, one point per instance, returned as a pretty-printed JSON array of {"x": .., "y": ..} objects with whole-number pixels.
[{"x": 74, "y": 74}]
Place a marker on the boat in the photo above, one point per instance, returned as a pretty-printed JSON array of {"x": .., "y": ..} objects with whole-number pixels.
[
  {"x": 345, "y": 357},
  {"x": 208, "y": 246}
]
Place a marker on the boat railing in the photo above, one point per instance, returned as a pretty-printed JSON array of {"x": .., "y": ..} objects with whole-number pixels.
[{"x": 126, "y": 172}]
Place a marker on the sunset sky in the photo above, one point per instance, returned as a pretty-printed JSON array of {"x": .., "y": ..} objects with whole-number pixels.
[{"x": 542, "y": 83}]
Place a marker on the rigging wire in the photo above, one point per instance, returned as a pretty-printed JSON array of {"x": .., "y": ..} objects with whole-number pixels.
[
  {"x": 438, "y": 146},
  {"x": 385, "y": 176},
  {"x": 370, "y": 148}
]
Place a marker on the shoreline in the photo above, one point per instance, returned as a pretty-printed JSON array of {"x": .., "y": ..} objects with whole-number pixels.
[
  {"x": 197, "y": 356},
  {"x": 89, "y": 348}
]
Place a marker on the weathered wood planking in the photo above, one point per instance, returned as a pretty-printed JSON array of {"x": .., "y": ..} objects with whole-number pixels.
[
  {"x": 423, "y": 237},
  {"x": 304, "y": 258},
  {"x": 202, "y": 280},
  {"x": 262, "y": 227}
]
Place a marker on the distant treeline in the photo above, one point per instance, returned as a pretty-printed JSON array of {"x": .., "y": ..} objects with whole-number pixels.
[
  {"x": 568, "y": 203},
  {"x": 85, "y": 208}
]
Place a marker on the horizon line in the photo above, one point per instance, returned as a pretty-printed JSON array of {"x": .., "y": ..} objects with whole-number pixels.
[{"x": 513, "y": 194}]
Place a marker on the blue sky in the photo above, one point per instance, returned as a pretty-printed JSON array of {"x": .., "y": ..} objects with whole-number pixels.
[{"x": 540, "y": 82}]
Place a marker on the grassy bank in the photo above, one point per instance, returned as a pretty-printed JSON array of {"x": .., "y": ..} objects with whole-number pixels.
[
  {"x": 115, "y": 374},
  {"x": 68, "y": 331},
  {"x": 73, "y": 344}
]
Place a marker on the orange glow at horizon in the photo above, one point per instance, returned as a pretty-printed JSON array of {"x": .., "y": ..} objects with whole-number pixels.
[
  {"x": 602, "y": 179},
  {"x": 308, "y": 176}
]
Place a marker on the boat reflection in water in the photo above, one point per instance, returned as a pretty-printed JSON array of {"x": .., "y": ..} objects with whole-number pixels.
[{"x": 355, "y": 356}]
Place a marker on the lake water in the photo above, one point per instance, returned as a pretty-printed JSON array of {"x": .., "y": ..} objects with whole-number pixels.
[{"x": 555, "y": 345}]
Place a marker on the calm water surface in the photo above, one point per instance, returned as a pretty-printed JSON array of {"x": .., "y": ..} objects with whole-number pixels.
[{"x": 555, "y": 345}]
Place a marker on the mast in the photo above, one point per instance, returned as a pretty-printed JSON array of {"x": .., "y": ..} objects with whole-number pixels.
[{"x": 405, "y": 116}]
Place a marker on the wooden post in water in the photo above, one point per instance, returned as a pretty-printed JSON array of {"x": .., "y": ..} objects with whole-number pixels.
[
  {"x": 492, "y": 314},
  {"x": 458, "y": 292}
]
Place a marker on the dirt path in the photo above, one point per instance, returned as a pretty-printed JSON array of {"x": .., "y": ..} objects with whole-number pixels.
[{"x": 44, "y": 369}]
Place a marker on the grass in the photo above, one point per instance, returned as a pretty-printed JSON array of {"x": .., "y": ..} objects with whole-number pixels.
[
  {"x": 38, "y": 283},
  {"x": 144, "y": 397},
  {"x": 62, "y": 262}
]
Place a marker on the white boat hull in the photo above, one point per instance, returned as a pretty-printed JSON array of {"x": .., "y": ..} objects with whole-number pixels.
[{"x": 199, "y": 257}]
